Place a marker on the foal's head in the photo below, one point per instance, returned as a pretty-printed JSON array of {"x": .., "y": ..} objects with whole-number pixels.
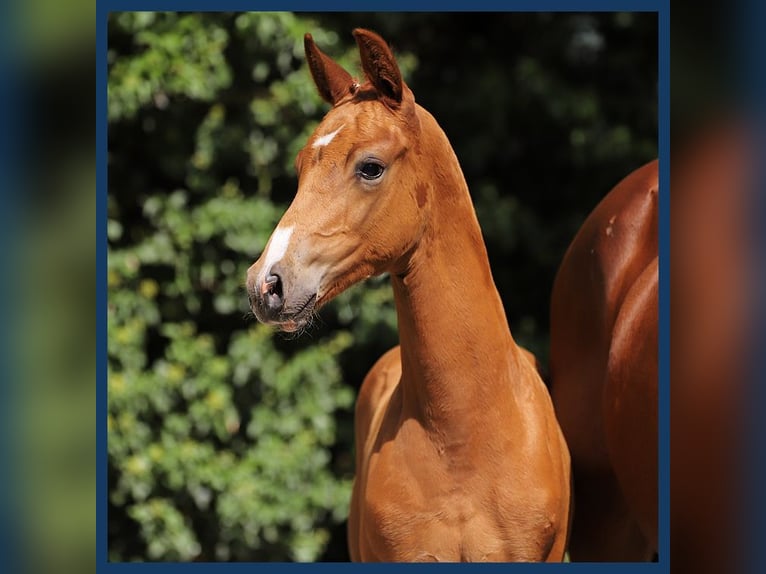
[{"x": 362, "y": 195}]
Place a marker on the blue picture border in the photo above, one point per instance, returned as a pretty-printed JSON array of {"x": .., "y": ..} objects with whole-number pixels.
[
  {"x": 751, "y": 76},
  {"x": 661, "y": 7},
  {"x": 13, "y": 142}
]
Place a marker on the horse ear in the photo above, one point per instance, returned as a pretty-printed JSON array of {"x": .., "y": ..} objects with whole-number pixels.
[
  {"x": 379, "y": 65},
  {"x": 332, "y": 81}
]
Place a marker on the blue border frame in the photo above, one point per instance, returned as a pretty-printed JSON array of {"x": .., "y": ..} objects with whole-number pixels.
[
  {"x": 103, "y": 7},
  {"x": 663, "y": 413},
  {"x": 751, "y": 78},
  {"x": 661, "y": 7},
  {"x": 14, "y": 141}
]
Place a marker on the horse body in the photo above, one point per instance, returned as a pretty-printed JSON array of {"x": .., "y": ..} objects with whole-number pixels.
[
  {"x": 459, "y": 455},
  {"x": 455, "y": 496},
  {"x": 459, "y": 421},
  {"x": 603, "y": 370}
]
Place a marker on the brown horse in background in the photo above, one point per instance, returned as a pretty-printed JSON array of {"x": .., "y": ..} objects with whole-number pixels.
[{"x": 603, "y": 372}]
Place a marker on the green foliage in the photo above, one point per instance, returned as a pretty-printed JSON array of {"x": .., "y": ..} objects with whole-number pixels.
[
  {"x": 178, "y": 56},
  {"x": 227, "y": 441},
  {"x": 220, "y": 436}
]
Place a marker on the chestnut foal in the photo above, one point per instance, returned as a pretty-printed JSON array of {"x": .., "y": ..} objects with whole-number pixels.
[{"x": 459, "y": 456}]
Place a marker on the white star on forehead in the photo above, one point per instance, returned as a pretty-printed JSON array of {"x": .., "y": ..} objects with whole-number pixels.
[{"x": 325, "y": 139}]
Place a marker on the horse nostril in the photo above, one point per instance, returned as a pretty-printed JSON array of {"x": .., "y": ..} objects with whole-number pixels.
[
  {"x": 271, "y": 284},
  {"x": 271, "y": 291}
]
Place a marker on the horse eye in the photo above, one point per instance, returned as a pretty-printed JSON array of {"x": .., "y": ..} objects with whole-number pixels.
[{"x": 370, "y": 170}]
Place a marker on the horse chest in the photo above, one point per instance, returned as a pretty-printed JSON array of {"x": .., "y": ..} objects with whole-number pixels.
[
  {"x": 436, "y": 529},
  {"x": 411, "y": 515}
]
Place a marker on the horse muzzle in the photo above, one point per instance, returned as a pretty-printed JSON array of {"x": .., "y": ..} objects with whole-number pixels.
[{"x": 277, "y": 300}]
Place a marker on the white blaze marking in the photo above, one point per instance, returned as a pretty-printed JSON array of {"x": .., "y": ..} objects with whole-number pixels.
[
  {"x": 278, "y": 243},
  {"x": 325, "y": 139}
]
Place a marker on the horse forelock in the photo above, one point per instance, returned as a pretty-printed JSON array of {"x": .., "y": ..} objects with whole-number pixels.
[{"x": 367, "y": 92}]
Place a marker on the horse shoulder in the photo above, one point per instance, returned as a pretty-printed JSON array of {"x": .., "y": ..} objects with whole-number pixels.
[
  {"x": 532, "y": 359},
  {"x": 376, "y": 390},
  {"x": 371, "y": 402},
  {"x": 542, "y": 452}
]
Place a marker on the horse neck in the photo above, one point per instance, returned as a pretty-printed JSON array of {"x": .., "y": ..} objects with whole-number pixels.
[{"x": 458, "y": 355}]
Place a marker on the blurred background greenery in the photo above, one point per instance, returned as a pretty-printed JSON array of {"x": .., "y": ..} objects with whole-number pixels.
[{"x": 227, "y": 441}]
